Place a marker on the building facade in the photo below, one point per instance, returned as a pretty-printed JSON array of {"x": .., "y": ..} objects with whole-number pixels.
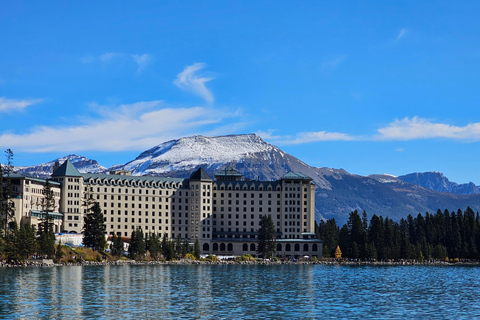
[
  {"x": 28, "y": 199},
  {"x": 222, "y": 213}
]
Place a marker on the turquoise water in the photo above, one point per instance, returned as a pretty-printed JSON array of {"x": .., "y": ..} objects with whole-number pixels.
[{"x": 240, "y": 291}]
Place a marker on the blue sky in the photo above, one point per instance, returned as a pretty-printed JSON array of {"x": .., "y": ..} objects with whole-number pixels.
[{"x": 370, "y": 87}]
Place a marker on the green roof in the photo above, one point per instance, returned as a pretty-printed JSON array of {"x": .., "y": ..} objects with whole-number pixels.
[
  {"x": 296, "y": 176},
  {"x": 228, "y": 171},
  {"x": 67, "y": 169},
  {"x": 16, "y": 175}
]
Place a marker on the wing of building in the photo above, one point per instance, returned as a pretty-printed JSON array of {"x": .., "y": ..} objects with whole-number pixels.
[{"x": 222, "y": 213}]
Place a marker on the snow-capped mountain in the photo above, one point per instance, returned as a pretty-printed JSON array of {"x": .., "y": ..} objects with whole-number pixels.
[
  {"x": 337, "y": 194},
  {"x": 44, "y": 170},
  {"x": 438, "y": 182},
  {"x": 247, "y": 153}
]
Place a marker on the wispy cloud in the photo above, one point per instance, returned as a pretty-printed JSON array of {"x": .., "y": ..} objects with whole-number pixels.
[
  {"x": 402, "y": 34},
  {"x": 126, "y": 127},
  {"x": 7, "y": 105},
  {"x": 109, "y": 57},
  {"x": 417, "y": 128},
  {"x": 142, "y": 60},
  {"x": 333, "y": 63},
  {"x": 308, "y": 137},
  {"x": 189, "y": 80},
  {"x": 268, "y": 135},
  {"x": 406, "y": 129}
]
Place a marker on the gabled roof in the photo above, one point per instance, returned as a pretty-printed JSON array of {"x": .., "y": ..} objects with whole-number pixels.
[
  {"x": 200, "y": 175},
  {"x": 296, "y": 176},
  {"x": 67, "y": 169}
]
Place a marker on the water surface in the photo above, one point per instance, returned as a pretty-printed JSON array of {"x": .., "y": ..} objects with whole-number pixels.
[{"x": 240, "y": 291}]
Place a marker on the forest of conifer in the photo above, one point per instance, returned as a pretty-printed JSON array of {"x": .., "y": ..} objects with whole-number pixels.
[{"x": 453, "y": 235}]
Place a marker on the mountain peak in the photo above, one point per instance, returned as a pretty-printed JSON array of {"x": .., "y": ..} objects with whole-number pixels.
[
  {"x": 81, "y": 163},
  {"x": 437, "y": 181}
]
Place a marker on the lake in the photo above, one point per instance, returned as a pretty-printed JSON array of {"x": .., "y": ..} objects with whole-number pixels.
[{"x": 240, "y": 291}]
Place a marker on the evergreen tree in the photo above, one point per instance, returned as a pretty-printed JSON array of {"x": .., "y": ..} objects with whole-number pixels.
[
  {"x": 46, "y": 236},
  {"x": 132, "y": 248},
  {"x": 266, "y": 237},
  {"x": 8, "y": 212},
  {"x": 26, "y": 241},
  {"x": 329, "y": 233},
  {"x": 185, "y": 247},
  {"x": 196, "y": 249},
  {"x": 178, "y": 246},
  {"x": 167, "y": 248},
  {"x": 153, "y": 245},
  {"x": 140, "y": 243},
  {"x": 119, "y": 245},
  {"x": 94, "y": 229},
  {"x": 356, "y": 237}
]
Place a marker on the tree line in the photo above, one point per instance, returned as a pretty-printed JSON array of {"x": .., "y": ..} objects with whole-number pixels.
[
  {"x": 431, "y": 236},
  {"x": 157, "y": 247}
]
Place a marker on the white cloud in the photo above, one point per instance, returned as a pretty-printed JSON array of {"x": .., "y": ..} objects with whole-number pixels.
[
  {"x": 399, "y": 130},
  {"x": 16, "y": 105},
  {"x": 142, "y": 60},
  {"x": 87, "y": 59},
  {"x": 268, "y": 135},
  {"x": 332, "y": 64},
  {"x": 109, "y": 57},
  {"x": 402, "y": 34},
  {"x": 418, "y": 128},
  {"x": 189, "y": 80},
  {"x": 128, "y": 127},
  {"x": 307, "y": 137}
]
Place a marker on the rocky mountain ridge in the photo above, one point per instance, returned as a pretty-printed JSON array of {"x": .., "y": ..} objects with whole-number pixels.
[{"x": 338, "y": 192}]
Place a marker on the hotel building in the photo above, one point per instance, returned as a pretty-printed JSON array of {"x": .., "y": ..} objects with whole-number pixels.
[{"x": 222, "y": 213}]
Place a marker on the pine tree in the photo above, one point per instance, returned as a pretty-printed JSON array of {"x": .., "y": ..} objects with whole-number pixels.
[
  {"x": 46, "y": 236},
  {"x": 6, "y": 204},
  {"x": 153, "y": 245},
  {"x": 132, "y": 248},
  {"x": 26, "y": 241},
  {"x": 196, "y": 250},
  {"x": 178, "y": 246},
  {"x": 94, "y": 229},
  {"x": 168, "y": 250},
  {"x": 118, "y": 245},
  {"x": 266, "y": 237}
]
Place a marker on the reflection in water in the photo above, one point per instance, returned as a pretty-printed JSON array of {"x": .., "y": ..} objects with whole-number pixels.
[{"x": 239, "y": 291}]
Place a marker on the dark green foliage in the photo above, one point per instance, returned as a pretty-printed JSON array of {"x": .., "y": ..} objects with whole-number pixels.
[
  {"x": 26, "y": 241},
  {"x": 153, "y": 245},
  {"x": 117, "y": 245},
  {"x": 7, "y": 193},
  {"x": 168, "y": 250},
  {"x": 94, "y": 229},
  {"x": 196, "y": 249},
  {"x": 429, "y": 236},
  {"x": 46, "y": 236},
  {"x": 136, "y": 248},
  {"x": 266, "y": 237},
  {"x": 329, "y": 232}
]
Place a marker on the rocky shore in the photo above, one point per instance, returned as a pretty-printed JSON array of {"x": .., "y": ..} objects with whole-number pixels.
[{"x": 51, "y": 263}]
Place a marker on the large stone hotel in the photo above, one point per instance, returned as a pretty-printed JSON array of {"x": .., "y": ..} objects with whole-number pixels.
[{"x": 222, "y": 213}]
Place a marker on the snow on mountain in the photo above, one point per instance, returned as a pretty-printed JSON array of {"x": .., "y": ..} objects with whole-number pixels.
[
  {"x": 191, "y": 152},
  {"x": 44, "y": 170}
]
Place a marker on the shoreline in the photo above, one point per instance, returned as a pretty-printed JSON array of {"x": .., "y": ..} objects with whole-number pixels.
[{"x": 50, "y": 263}]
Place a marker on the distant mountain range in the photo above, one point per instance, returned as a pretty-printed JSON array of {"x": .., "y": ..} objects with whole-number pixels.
[
  {"x": 44, "y": 170},
  {"x": 338, "y": 192},
  {"x": 438, "y": 182}
]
